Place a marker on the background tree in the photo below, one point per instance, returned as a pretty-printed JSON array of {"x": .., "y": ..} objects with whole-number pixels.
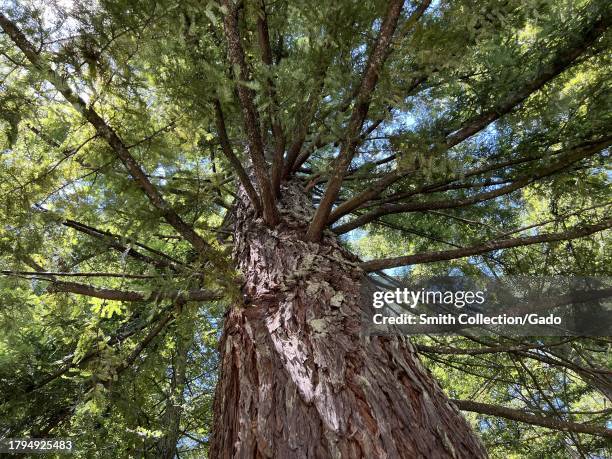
[{"x": 181, "y": 175}]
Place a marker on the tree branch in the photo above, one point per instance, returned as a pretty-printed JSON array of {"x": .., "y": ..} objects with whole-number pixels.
[
  {"x": 277, "y": 130},
  {"x": 112, "y": 240},
  {"x": 482, "y": 350},
  {"x": 126, "y": 295},
  {"x": 142, "y": 345},
  {"x": 429, "y": 257},
  {"x": 304, "y": 121},
  {"x": 129, "y": 330},
  {"x": 528, "y": 418},
  {"x": 364, "y": 96},
  {"x": 576, "y": 154},
  {"x": 118, "y": 295},
  {"x": 374, "y": 191},
  {"x": 226, "y": 147},
  {"x": 560, "y": 62},
  {"x": 249, "y": 113},
  {"x": 79, "y": 274}
]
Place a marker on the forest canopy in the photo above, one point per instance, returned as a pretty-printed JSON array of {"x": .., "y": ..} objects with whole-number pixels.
[{"x": 191, "y": 193}]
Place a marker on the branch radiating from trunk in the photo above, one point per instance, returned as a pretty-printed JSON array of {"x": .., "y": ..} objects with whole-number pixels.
[
  {"x": 112, "y": 240},
  {"x": 7, "y": 272},
  {"x": 521, "y": 416},
  {"x": 153, "y": 332},
  {"x": 263, "y": 35},
  {"x": 228, "y": 151},
  {"x": 481, "y": 350},
  {"x": 65, "y": 413},
  {"x": 128, "y": 295},
  {"x": 118, "y": 295},
  {"x": 305, "y": 119},
  {"x": 249, "y": 112},
  {"x": 374, "y": 66},
  {"x": 561, "y": 61},
  {"x": 430, "y": 257},
  {"x": 129, "y": 329},
  {"x": 376, "y": 189}
]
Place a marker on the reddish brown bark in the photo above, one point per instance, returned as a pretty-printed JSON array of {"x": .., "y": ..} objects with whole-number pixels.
[{"x": 298, "y": 377}]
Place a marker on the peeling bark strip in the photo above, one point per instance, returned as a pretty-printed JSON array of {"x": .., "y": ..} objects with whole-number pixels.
[{"x": 297, "y": 378}]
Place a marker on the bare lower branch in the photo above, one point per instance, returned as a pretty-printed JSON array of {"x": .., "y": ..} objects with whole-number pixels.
[
  {"x": 68, "y": 274},
  {"x": 482, "y": 350},
  {"x": 528, "y": 418},
  {"x": 126, "y": 295},
  {"x": 429, "y": 257}
]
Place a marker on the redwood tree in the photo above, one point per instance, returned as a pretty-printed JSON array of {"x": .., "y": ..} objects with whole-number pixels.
[{"x": 171, "y": 169}]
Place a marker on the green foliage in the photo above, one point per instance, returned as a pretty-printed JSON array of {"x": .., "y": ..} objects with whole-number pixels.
[{"x": 155, "y": 70}]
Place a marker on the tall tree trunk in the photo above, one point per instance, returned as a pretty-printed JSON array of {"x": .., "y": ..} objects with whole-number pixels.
[{"x": 299, "y": 380}]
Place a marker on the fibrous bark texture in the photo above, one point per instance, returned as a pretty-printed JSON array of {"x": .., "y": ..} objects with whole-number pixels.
[{"x": 298, "y": 377}]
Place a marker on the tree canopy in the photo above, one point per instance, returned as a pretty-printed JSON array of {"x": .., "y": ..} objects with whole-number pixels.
[{"x": 445, "y": 137}]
